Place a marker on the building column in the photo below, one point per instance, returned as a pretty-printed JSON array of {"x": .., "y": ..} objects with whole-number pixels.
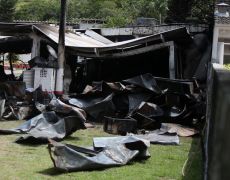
[
  {"x": 172, "y": 70},
  {"x": 220, "y": 57},
  {"x": 35, "y": 51},
  {"x": 59, "y": 88},
  {"x": 215, "y": 45}
]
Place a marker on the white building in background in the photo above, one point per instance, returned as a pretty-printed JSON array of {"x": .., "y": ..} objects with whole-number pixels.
[
  {"x": 25, "y": 57},
  {"x": 221, "y": 35}
]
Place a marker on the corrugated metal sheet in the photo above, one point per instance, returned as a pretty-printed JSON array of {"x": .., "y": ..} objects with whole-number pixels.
[
  {"x": 71, "y": 39},
  {"x": 84, "y": 45}
]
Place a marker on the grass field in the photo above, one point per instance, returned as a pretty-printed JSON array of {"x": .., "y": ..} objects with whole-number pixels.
[{"x": 33, "y": 162}]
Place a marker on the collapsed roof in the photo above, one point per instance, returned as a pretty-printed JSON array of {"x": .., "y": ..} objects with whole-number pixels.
[
  {"x": 91, "y": 44},
  {"x": 170, "y": 54}
]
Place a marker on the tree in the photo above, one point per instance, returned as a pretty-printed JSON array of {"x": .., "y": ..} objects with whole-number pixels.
[
  {"x": 179, "y": 10},
  {"x": 187, "y": 10},
  {"x": 203, "y": 11},
  {"x": 129, "y": 10},
  {"x": 41, "y": 10},
  {"x": 115, "y": 12},
  {"x": 7, "y": 9}
]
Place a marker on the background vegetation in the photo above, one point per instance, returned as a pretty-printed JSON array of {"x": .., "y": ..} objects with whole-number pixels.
[
  {"x": 115, "y": 12},
  {"x": 200, "y": 11}
]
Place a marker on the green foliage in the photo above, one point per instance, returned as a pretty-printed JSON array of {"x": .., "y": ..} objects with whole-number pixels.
[
  {"x": 203, "y": 11},
  {"x": 14, "y": 57},
  {"x": 91, "y": 9},
  {"x": 179, "y": 10},
  {"x": 7, "y": 8},
  {"x": 145, "y": 8},
  {"x": 41, "y": 10},
  {"x": 129, "y": 10},
  {"x": 186, "y": 10},
  {"x": 227, "y": 66},
  {"x": 116, "y": 12}
]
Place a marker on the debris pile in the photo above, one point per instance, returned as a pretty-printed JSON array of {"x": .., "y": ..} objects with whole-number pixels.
[
  {"x": 50, "y": 118},
  {"x": 145, "y": 90},
  {"x": 141, "y": 109},
  {"x": 139, "y": 103}
]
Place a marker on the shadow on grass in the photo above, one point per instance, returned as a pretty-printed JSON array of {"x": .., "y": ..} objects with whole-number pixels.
[
  {"x": 72, "y": 138},
  {"x": 36, "y": 142},
  {"x": 55, "y": 172},
  {"x": 193, "y": 167},
  {"x": 51, "y": 172}
]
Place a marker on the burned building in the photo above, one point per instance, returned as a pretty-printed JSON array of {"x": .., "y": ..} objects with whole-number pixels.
[
  {"x": 146, "y": 84},
  {"x": 173, "y": 54}
]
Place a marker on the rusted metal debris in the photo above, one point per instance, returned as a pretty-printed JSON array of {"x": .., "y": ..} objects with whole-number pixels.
[
  {"x": 47, "y": 116},
  {"x": 182, "y": 131},
  {"x": 154, "y": 137},
  {"x": 116, "y": 85},
  {"x": 68, "y": 157},
  {"x": 124, "y": 107},
  {"x": 46, "y": 126},
  {"x": 142, "y": 104}
]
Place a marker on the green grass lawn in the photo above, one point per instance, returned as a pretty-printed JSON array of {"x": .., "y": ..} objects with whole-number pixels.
[{"x": 33, "y": 162}]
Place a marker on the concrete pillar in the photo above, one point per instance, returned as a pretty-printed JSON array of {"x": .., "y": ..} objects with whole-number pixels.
[
  {"x": 59, "y": 87},
  {"x": 215, "y": 45},
  {"x": 220, "y": 58},
  {"x": 35, "y": 51},
  {"x": 172, "y": 71}
]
